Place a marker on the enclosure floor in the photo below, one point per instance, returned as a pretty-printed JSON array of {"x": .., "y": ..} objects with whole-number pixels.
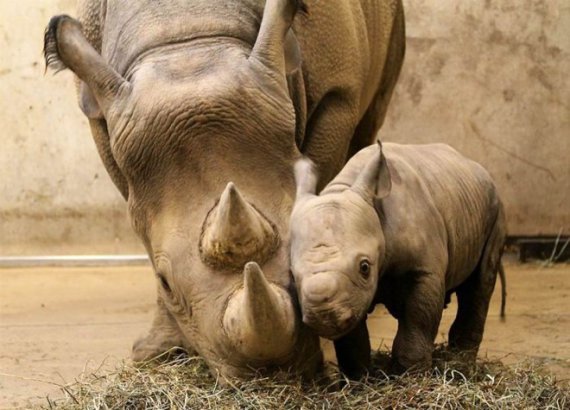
[{"x": 56, "y": 322}]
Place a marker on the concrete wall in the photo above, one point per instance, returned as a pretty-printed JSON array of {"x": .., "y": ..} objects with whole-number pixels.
[
  {"x": 490, "y": 78},
  {"x": 55, "y": 195}
]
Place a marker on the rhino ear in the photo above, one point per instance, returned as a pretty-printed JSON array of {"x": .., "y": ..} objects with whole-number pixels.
[
  {"x": 65, "y": 46},
  {"x": 275, "y": 38},
  {"x": 306, "y": 178},
  {"x": 384, "y": 184},
  {"x": 88, "y": 103},
  {"x": 292, "y": 53},
  {"x": 374, "y": 181}
]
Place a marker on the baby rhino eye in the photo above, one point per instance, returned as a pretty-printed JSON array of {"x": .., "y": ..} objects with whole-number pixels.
[{"x": 365, "y": 268}]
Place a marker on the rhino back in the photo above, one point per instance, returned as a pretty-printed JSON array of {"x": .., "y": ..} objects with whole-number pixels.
[
  {"x": 344, "y": 44},
  {"x": 440, "y": 210},
  {"x": 460, "y": 191},
  {"x": 132, "y": 28}
]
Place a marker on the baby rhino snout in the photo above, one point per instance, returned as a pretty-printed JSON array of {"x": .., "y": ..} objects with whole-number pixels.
[
  {"x": 324, "y": 308},
  {"x": 319, "y": 289}
]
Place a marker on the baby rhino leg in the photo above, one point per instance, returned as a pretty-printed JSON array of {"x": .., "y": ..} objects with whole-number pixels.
[
  {"x": 466, "y": 332},
  {"x": 418, "y": 323},
  {"x": 473, "y": 297},
  {"x": 353, "y": 352}
]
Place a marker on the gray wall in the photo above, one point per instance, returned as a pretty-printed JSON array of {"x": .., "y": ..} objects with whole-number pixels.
[
  {"x": 55, "y": 196},
  {"x": 491, "y": 80}
]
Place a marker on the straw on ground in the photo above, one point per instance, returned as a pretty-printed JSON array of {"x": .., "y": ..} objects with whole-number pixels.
[{"x": 185, "y": 383}]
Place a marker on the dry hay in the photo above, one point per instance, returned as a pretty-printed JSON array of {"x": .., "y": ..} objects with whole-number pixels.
[{"x": 185, "y": 383}]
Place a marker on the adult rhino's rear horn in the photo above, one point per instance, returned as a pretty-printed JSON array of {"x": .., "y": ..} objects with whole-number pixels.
[
  {"x": 235, "y": 232},
  {"x": 260, "y": 318},
  {"x": 276, "y": 46}
]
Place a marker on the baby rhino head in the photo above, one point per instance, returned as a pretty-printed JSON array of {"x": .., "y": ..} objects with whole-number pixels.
[{"x": 337, "y": 247}]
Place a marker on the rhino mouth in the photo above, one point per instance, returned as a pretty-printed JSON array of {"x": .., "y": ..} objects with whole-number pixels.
[{"x": 330, "y": 323}]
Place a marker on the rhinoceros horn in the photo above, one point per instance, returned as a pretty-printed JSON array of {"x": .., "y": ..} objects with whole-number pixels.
[
  {"x": 235, "y": 232},
  {"x": 260, "y": 319},
  {"x": 374, "y": 180}
]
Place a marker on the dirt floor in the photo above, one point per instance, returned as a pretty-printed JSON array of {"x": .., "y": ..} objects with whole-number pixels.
[{"x": 54, "y": 323}]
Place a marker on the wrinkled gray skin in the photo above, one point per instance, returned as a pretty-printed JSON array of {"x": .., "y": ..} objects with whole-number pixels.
[
  {"x": 189, "y": 101},
  {"x": 405, "y": 226}
]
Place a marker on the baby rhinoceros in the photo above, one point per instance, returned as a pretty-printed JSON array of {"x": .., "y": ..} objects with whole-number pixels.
[{"x": 405, "y": 226}]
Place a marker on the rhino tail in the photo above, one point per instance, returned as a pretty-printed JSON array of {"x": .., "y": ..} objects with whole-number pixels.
[
  {"x": 503, "y": 279},
  {"x": 497, "y": 244}
]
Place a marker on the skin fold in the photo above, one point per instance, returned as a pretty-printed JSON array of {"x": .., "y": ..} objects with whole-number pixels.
[
  {"x": 199, "y": 110},
  {"x": 401, "y": 225}
]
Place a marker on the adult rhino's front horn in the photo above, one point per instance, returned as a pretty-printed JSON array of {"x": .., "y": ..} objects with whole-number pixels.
[
  {"x": 235, "y": 232},
  {"x": 260, "y": 318}
]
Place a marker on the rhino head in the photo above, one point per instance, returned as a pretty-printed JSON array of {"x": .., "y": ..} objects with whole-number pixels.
[
  {"x": 185, "y": 126},
  {"x": 337, "y": 244}
]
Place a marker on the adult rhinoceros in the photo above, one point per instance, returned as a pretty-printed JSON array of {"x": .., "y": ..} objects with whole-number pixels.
[{"x": 189, "y": 99}]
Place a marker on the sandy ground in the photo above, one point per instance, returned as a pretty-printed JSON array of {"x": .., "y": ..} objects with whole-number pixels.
[{"x": 54, "y": 323}]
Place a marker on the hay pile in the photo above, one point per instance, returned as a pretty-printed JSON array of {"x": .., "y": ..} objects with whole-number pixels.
[{"x": 185, "y": 383}]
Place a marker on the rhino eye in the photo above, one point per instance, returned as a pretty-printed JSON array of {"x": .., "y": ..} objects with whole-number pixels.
[
  {"x": 164, "y": 283},
  {"x": 365, "y": 268}
]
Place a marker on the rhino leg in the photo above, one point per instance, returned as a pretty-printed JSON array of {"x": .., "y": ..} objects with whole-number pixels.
[
  {"x": 365, "y": 133},
  {"x": 418, "y": 323},
  {"x": 163, "y": 336},
  {"x": 353, "y": 352},
  {"x": 337, "y": 113},
  {"x": 326, "y": 140},
  {"x": 474, "y": 296}
]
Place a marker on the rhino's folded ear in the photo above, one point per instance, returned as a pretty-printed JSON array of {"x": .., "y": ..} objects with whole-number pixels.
[
  {"x": 88, "y": 103},
  {"x": 65, "y": 46},
  {"x": 306, "y": 178},
  {"x": 384, "y": 183},
  {"x": 292, "y": 53},
  {"x": 276, "y": 46},
  {"x": 374, "y": 181}
]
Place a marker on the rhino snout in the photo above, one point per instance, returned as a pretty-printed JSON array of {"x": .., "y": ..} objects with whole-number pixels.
[
  {"x": 319, "y": 289},
  {"x": 330, "y": 323},
  {"x": 324, "y": 308}
]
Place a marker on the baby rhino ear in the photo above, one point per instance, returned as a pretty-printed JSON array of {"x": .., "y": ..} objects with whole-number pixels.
[
  {"x": 306, "y": 179},
  {"x": 374, "y": 181},
  {"x": 384, "y": 184}
]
